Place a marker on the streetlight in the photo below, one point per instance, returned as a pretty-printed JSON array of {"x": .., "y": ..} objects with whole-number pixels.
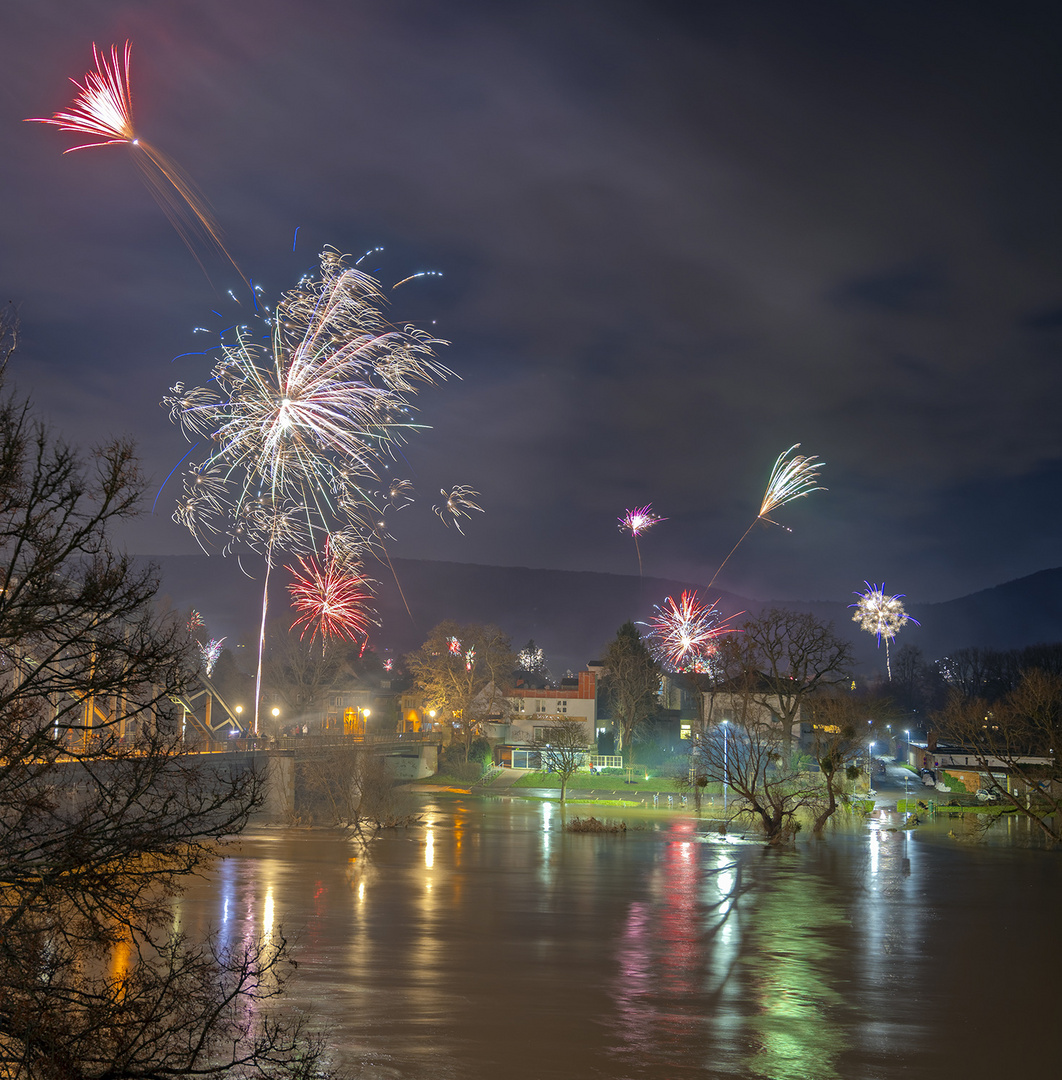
[
  {"x": 239, "y": 718},
  {"x": 870, "y": 769},
  {"x": 431, "y": 719},
  {"x": 907, "y": 762},
  {"x": 726, "y": 768}
]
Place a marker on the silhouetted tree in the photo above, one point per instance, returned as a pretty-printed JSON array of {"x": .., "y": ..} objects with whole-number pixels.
[
  {"x": 102, "y": 812},
  {"x": 838, "y": 738},
  {"x": 632, "y": 680},
  {"x": 747, "y": 756},
  {"x": 782, "y": 658},
  {"x": 351, "y": 786},
  {"x": 1015, "y": 744}
]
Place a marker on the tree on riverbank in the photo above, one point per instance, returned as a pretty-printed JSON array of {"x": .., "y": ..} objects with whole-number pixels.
[
  {"x": 350, "y": 786},
  {"x": 464, "y": 673},
  {"x": 563, "y": 749},
  {"x": 1015, "y": 743},
  {"x": 102, "y": 813},
  {"x": 783, "y": 658},
  {"x": 837, "y": 740},
  {"x": 746, "y": 754}
]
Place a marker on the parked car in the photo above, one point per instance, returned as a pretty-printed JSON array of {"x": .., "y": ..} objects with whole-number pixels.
[{"x": 987, "y": 796}]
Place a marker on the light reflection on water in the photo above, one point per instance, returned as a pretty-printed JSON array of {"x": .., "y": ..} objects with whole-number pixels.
[{"x": 487, "y": 941}]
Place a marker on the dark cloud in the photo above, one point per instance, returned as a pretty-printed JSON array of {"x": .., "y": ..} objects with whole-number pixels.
[
  {"x": 905, "y": 289},
  {"x": 676, "y": 239}
]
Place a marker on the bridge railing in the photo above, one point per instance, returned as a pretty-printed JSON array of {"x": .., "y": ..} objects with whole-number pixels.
[{"x": 311, "y": 742}]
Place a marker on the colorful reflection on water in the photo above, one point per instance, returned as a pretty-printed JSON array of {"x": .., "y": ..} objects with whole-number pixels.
[{"x": 488, "y": 941}]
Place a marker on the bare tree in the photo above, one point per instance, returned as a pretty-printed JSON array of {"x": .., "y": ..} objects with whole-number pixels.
[
  {"x": 632, "y": 679},
  {"x": 969, "y": 671},
  {"x": 837, "y": 740},
  {"x": 563, "y": 749},
  {"x": 464, "y": 673},
  {"x": 1015, "y": 744},
  {"x": 748, "y": 759},
  {"x": 783, "y": 658},
  {"x": 350, "y": 786},
  {"x": 302, "y": 674},
  {"x": 102, "y": 812}
]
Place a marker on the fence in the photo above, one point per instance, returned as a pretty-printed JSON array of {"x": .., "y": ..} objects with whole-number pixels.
[{"x": 606, "y": 761}]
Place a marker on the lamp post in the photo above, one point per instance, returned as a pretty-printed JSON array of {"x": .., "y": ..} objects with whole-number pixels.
[
  {"x": 870, "y": 769},
  {"x": 239, "y": 717},
  {"x": 907, "y": 762},
  {"x": 726, "y": 766}
]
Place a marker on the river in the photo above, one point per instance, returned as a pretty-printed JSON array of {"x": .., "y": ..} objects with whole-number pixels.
[{"x": 487, "y": 942}]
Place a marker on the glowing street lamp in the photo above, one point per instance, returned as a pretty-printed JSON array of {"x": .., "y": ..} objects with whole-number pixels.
[
  {"x": 907, "y": 761},
  {"x": 870, "y": 769},
  {"x": 726, "y": 768}
]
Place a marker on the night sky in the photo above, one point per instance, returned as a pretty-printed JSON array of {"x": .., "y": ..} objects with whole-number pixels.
[{"x": 675, "y": 239}]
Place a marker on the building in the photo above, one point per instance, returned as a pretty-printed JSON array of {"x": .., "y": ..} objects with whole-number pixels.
[
  {"x": 531, "y": 711},
  {"x": 747, "y": 702}
]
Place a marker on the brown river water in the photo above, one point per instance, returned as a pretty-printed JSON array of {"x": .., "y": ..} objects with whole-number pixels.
[{"x": 487, "y": 942}]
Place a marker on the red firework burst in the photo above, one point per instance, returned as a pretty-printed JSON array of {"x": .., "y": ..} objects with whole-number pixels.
[
  {"x": 331, "y": 598},
  {"x": 684, "y": 633}
]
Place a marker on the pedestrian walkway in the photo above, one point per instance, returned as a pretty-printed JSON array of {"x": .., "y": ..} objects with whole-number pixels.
[{"x": 500, "y": 780}]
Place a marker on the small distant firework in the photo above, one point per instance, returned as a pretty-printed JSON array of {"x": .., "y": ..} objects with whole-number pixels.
[
  {"x": 103, "y": 110},
  {"x": 470, "y": 658},
  {"x": 683, "y": 634},
  {"x": 636, "y": 522},
  {"x": 331, "y": 599},
  {"x": 454, "y": 645},
  {"x": 195, "y": 621},
  {"x": 791, "y": 478},
  {"x": 456, "y": 505},
  {"x": 209, "y": 651},
  {"x": 399, "y": 494},
  {"x": 531, "y": 659},
  {"x": 389, "y": 664},
  {"x": 880, "y": 614}
]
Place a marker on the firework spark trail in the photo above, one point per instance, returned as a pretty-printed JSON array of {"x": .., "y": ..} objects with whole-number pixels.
[
  {"x": 299, "y": 427},
  {"x": 881, "y": 614},
  {"x": 791, "y": 478},
  {"x": 103, "y": 110},
  {"x": 684, "y": 633},
  {"x": 636, "y": 522},
  {"x": 456, "y": 505},
  {"x": 332, "y": 599}
]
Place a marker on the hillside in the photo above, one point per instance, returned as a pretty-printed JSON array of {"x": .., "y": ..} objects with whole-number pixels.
[{"x": 573, "y": 614}]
